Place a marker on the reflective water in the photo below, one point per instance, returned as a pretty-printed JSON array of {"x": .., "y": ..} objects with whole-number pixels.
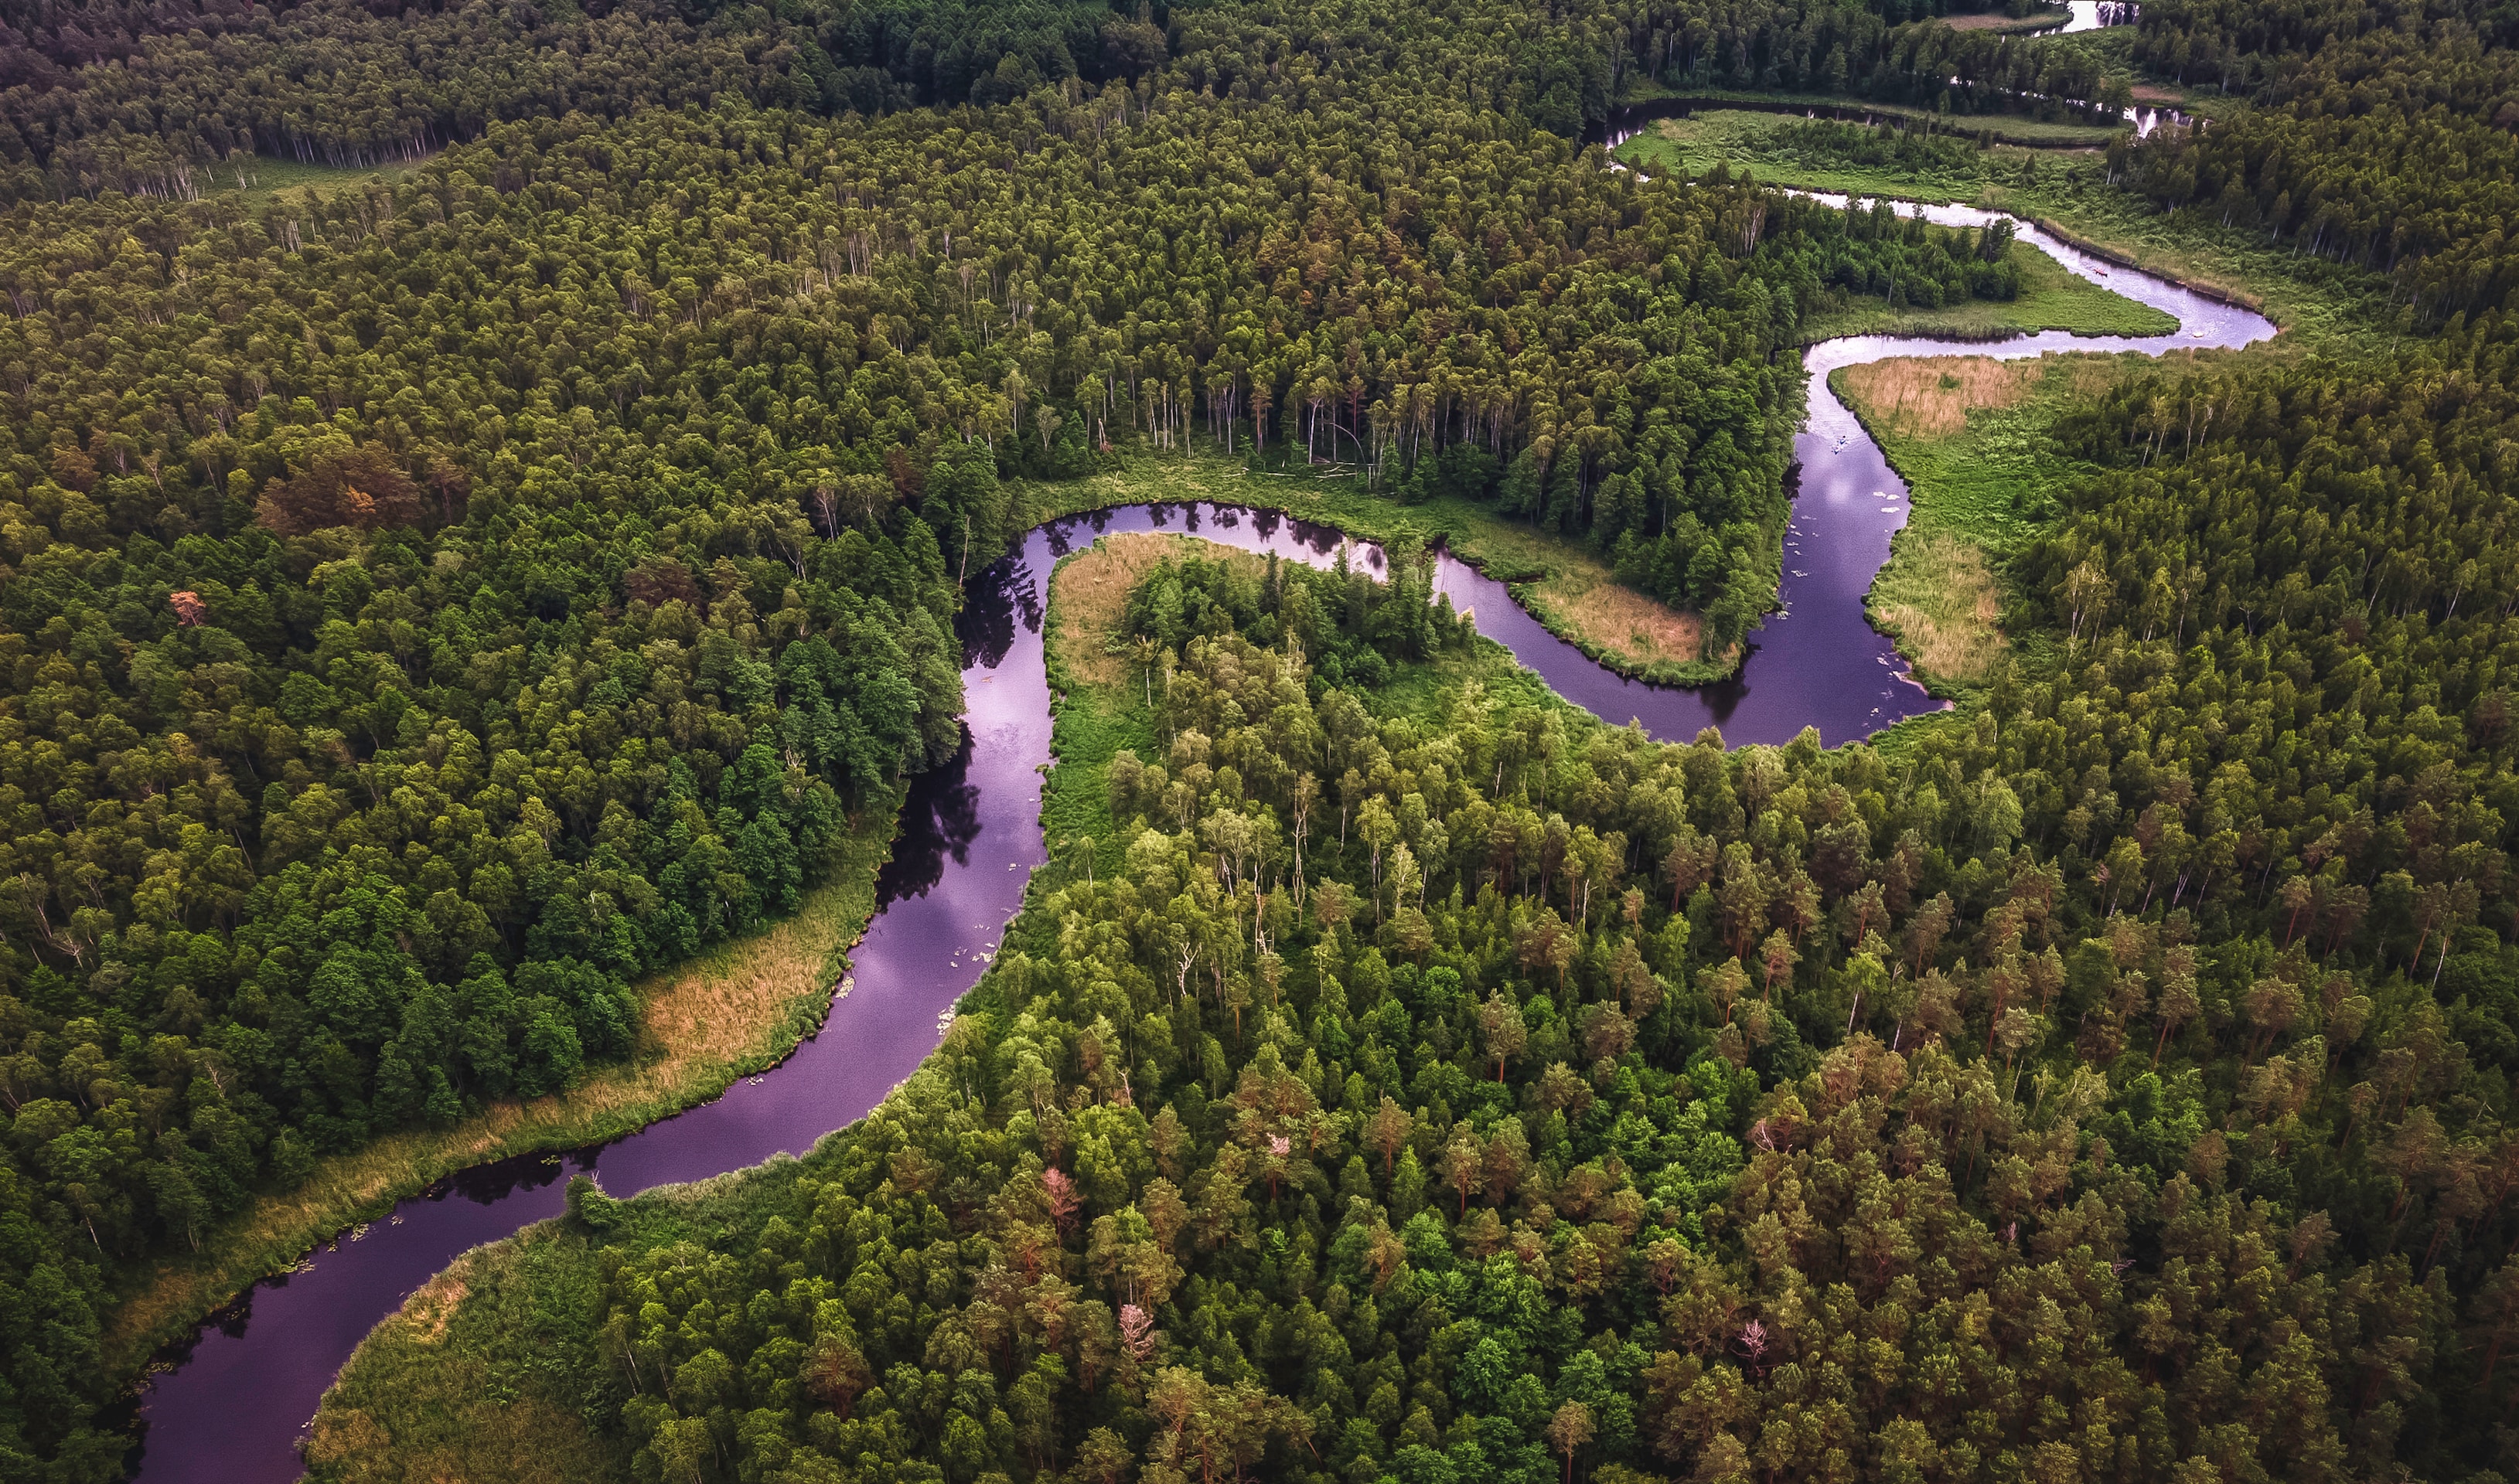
[{"x": 230, "y": 1406}]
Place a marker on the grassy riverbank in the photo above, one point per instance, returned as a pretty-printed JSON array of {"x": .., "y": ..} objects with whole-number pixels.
[
  {"x": 730, "y": 1012},
  {"x": 1973, "y": 437},
  {"x": 2052, "y": 297},
  {"x": 489, "y": 1373},
  {"x": 2318, "y": 303},
  {"x": 2016, "y": 129},
  {"x": 1566, "y": 586}
]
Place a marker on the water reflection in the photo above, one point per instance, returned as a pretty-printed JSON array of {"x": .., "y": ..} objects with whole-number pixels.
[{"x": 939, "y": 820}]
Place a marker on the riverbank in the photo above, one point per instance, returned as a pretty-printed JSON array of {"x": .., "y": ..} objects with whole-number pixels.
[
  {"x": 2318, "y": 304},
  {"x": 2052, "y": 297},
  {"x": 1568, "y": 588},
  {"x": 486, "y": 1373},
  {"x": 735, "y": 1010},
  {"x": 2014, "y": 129}
]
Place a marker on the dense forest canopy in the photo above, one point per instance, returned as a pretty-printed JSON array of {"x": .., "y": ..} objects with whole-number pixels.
[
  {"x": 431, "y": 603},
  {"x": 2380, "y": 134},
  {"x": 2116, "y": 1085},
  {"x": 172, "y": 98}
]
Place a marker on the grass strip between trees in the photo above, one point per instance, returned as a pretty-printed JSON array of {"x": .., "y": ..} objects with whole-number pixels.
[{"x": 733, "y": 1010}]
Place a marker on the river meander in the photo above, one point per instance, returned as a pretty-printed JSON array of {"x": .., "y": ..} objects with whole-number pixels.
[{"x": 228, "y": 1406}]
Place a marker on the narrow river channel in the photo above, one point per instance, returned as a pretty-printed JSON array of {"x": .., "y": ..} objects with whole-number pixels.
[{"x": 228, "y": 1406}]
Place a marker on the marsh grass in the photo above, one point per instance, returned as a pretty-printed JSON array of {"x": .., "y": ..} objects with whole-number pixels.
[
  {"x": 1939, "y": 597},
  {"x": 495, "y": 1371},
  {"x": 734, "y": 1010},
  {"x": 1973, "y": 439},
  {"x": 1565, "y": 584}
]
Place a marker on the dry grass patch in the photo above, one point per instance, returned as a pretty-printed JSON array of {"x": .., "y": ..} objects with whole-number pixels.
[
  {"x": 1642, "y": 630},
  {"x": 1092, "y": 597},
  {"x": 422, "y": 1317},
  {"x": 729, "y": 1011},
  {"x": 1932, "y": 398},
  {"x": 1939, "y": 598}
]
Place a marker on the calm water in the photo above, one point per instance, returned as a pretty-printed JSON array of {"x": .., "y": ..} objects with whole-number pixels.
[{"x": 229, "y": 1406}]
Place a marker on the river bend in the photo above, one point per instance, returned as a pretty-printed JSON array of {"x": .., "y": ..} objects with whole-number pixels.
[{"x": 228, "y": 1406}]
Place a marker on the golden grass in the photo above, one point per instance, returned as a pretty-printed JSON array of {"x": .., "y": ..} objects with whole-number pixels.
[
  {"x": 1931, "y": 397},
  {"x": 435, "y": 1393},
  {"x": 1645, "y": 631},
  {"x": 1939, "y": 598},
  {"x": 424, "y": 1314},
  {"x": 732, "y": 1011}
]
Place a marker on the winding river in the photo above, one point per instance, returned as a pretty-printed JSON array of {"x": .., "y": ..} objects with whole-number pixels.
[{"x": 228, "y": 1406}]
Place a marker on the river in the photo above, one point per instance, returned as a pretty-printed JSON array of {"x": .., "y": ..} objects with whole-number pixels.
[{"x": 228, "y": 1406}]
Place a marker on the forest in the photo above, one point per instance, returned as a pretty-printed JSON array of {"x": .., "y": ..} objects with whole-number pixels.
[
  {"x": 2376, "y": 134},
  {"x": 2113, "y": 1084},
  {"x": 431, "y": 602}
]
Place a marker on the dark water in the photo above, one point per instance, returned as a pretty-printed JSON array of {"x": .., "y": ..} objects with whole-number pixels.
[{"x": 229, "y": 1406}]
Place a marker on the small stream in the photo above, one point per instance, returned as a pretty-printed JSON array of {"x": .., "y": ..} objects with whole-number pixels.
[{"x": 228, "y": 1406}]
